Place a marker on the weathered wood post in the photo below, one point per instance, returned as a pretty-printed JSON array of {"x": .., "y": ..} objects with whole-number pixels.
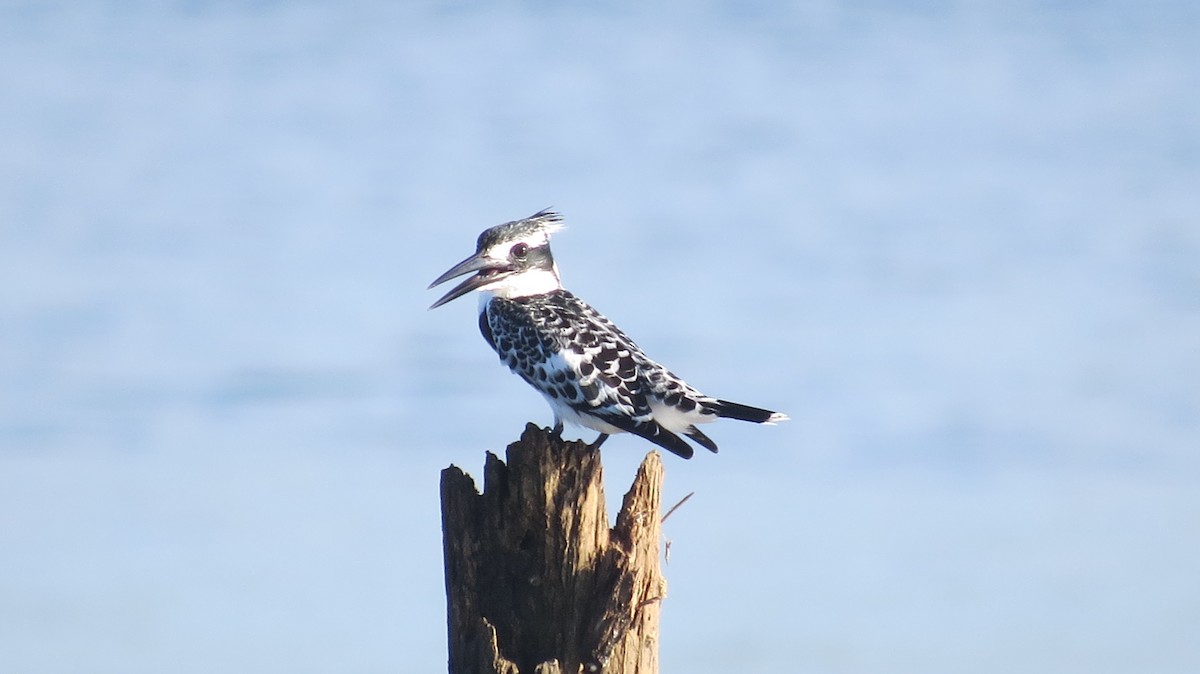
[{"x": 536, "y": 581}]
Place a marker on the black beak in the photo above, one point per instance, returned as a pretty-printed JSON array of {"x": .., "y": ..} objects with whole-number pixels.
[{"x": 488, "y": 272}]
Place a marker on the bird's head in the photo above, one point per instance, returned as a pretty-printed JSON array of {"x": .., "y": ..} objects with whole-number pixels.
[{"x": 510, "y": 260}]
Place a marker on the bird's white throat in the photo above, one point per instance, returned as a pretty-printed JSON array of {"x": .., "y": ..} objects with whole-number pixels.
[
  {"x": 525, "y": 284},
  {"x": 531, "y": 282}
]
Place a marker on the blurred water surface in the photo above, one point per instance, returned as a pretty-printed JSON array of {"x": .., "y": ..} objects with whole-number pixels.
[{"x": 958, "y": 242}]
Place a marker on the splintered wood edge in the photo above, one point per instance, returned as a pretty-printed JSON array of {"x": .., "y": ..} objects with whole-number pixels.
[
  {"x": 639, "y": 584},
  {"x": 634, "y": 541},
  {"x": 500, "y": 664},
  {"x": 639, "y": 516}
]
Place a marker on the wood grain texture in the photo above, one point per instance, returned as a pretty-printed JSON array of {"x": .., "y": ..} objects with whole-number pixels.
[{"x": 536, "y": 580}]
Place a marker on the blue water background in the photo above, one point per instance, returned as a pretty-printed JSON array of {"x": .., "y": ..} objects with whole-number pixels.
[{"x": 958, "y": 242}]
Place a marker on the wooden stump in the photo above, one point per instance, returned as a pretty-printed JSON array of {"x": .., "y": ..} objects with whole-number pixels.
[{"x": 536, "y": 581}]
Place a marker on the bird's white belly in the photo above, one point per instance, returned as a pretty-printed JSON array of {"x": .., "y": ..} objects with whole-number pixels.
[
  {"x": 670, "y": 418},
  {"x": 566, "y": 414}
]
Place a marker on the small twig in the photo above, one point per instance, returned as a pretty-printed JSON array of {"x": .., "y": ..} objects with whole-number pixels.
[{"x": 676, "y": 506}]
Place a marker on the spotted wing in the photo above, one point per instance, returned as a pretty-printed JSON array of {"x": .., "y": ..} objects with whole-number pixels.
[{"x": 570, "y": 352}]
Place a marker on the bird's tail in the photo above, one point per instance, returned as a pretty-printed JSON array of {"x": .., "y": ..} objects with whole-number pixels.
[{"x": 724, "y": 408}]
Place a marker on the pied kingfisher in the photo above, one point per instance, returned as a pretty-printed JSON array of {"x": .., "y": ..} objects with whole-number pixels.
[{"x": 587, "y": 369}]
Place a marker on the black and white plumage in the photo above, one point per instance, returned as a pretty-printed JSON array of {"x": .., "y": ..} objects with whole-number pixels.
[{"x": 587, "y": 369}]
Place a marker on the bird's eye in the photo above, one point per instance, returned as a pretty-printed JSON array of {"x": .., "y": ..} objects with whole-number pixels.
[{"x": 520, "y": 250}]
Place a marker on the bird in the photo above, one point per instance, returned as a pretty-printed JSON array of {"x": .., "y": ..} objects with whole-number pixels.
[{"x": 588, "y": 370}]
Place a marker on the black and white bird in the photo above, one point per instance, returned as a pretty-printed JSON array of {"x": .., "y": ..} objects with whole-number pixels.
[{"x": 588, "y": 370}]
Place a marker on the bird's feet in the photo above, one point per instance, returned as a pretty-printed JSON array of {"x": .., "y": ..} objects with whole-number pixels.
[
  {"x": 558, "y": 429},
  {"x": 599, "y": 441}
]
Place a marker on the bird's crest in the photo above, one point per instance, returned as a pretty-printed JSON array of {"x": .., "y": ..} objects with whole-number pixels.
[{"x": 544, "y": 222}]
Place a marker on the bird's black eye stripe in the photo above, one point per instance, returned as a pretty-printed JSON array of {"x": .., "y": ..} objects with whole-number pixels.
[{"x": 520, "y": 250}]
